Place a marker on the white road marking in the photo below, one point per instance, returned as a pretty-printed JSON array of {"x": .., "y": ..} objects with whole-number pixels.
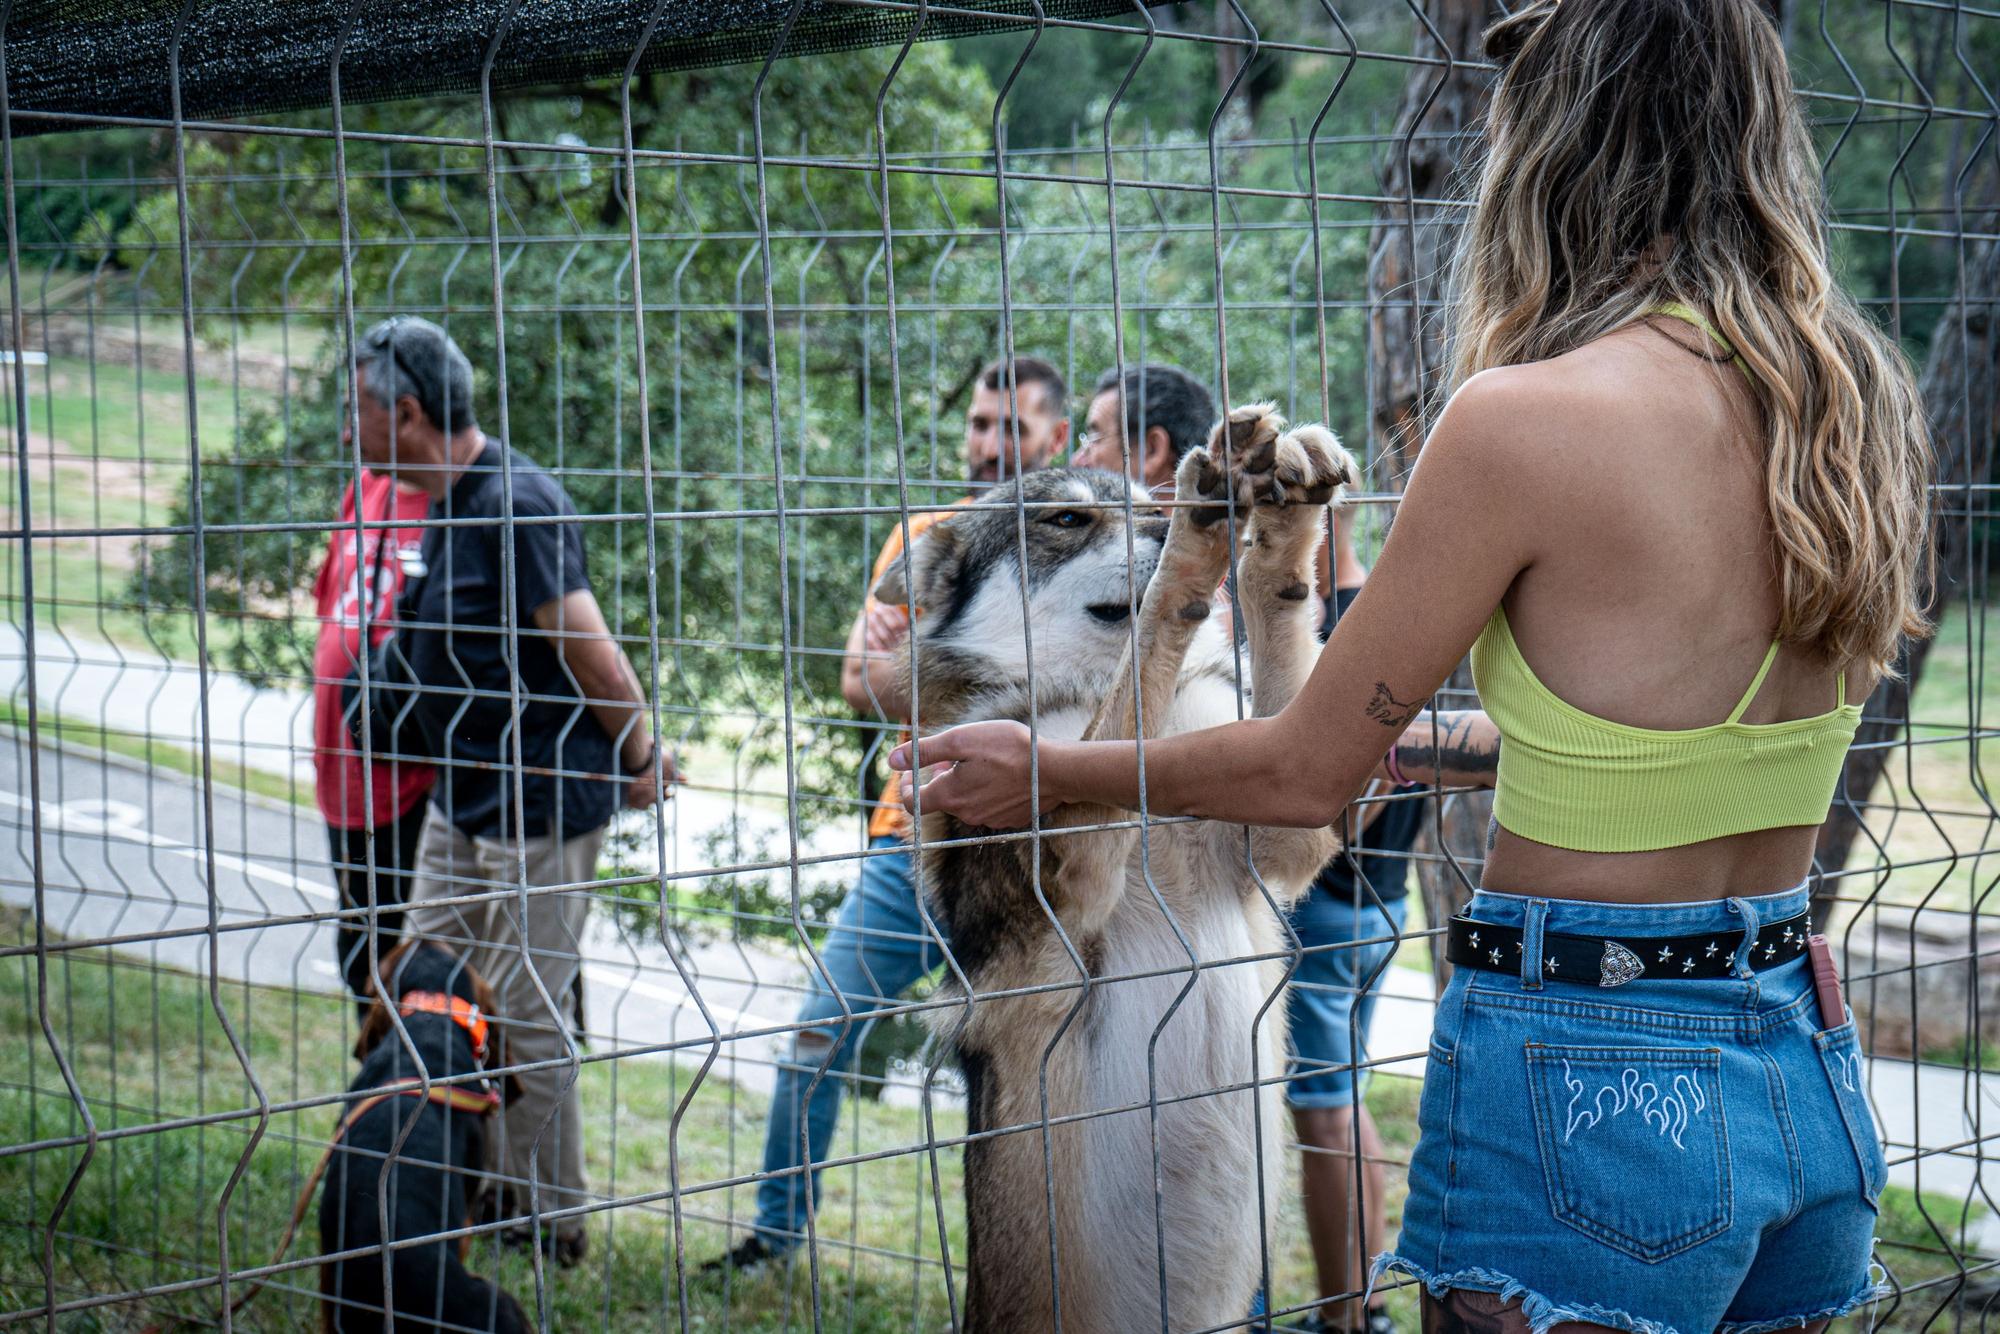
[
  {"x": 738, "y": 1020},
  {"x": 122, "y": 820}
]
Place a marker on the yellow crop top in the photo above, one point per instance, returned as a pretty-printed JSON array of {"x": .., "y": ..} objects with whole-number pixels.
[{"x": 1573, "y": 780}]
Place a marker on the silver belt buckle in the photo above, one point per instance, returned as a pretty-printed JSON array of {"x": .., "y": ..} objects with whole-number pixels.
[{"x": 1618, "y": 965}]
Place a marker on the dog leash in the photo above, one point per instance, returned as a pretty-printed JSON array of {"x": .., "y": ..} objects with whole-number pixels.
[{"x": 452, "y": 1096}]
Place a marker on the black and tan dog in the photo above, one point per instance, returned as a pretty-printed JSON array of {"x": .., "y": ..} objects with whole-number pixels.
[
  {"x": 432, "y": 1183},
  {"x": 1155, "y": 1076}
]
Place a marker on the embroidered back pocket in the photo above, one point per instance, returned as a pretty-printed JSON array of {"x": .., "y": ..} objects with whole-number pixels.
[
  {"x": 1635, "y": 1152},
  {"x": 1840, "y": 1053}
]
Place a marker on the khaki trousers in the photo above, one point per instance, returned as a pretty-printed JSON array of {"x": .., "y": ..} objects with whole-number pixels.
[{"x": 544, "y": 1119}]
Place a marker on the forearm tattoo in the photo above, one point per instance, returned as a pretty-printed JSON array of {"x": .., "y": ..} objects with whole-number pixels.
[
  {"x": 1389, "y": 711},
  {"x": 1452, "y": 748}
]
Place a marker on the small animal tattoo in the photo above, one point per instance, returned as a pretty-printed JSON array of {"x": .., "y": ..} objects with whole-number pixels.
[{"x": 1389, "y": 711}]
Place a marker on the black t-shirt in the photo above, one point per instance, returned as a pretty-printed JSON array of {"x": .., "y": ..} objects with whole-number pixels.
[
  {"x": 465, "y": 658},
  {"x": 1382, "y": 845}
]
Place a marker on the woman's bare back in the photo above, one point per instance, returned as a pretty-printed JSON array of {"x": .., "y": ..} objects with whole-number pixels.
[{"x": 1657, "y": 609}]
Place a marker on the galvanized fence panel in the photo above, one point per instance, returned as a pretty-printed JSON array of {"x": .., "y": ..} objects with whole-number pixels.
[{"x": 737, "y": 312}]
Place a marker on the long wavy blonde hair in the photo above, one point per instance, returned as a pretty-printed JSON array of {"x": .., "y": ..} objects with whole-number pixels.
[{"x": 1649, "y": 151}]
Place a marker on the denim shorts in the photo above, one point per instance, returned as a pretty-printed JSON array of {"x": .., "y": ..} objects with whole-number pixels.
[
  {"x": 1332, "y": 995},
  {"x": 1668, "y": 1156}
]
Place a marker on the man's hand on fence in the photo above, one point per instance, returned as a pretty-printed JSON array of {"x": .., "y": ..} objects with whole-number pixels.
[
  {"x": 886, "y": 629},
  {"x": 662, "y": 772}
]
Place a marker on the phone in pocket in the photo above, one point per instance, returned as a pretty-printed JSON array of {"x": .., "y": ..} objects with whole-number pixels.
[{"x": 1826, "y": 982}]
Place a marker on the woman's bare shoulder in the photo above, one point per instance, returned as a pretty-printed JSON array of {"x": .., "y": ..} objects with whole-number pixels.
[
  {"x": 1585, "y": 409},
  {"x": 1532, "y": 417}
]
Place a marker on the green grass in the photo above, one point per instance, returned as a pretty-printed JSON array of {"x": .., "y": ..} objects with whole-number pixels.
[
  {"x": 106, "y": 453},
  {"x": 1964, "y": 1055},
  {"x": 128, "y": 413},
  {"x": 158, "y": 755},
  {"x": 145, "y": 1046},
  {"x": 1915, "y": 1238}
]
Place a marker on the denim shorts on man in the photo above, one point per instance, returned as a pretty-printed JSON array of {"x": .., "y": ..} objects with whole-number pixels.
[
  {"x": 1666, "y": 1155},
  {"x": 1332, "y": 995}
]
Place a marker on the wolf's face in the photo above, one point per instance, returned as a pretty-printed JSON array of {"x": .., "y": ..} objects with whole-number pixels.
[{"x": 979, "y": 590}]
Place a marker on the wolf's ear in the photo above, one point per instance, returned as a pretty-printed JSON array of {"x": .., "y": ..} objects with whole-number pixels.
[
  {"x": 920, "y": 574},
  {"x": 893, "y": 588}
]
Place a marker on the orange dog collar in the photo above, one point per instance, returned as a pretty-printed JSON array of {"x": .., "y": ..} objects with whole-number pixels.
[{"x": 456, "y": 1008}]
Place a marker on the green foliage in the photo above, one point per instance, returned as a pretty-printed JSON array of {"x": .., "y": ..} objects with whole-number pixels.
[
  {"x": 69, "y": 227},
  {"x": 696, "y": 595},
  {"x": 697, "y": 591},
  {"x": 1902, "y": 181}
]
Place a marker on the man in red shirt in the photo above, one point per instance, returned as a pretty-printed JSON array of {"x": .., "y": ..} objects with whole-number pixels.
[{"x": 374, "y": 808}]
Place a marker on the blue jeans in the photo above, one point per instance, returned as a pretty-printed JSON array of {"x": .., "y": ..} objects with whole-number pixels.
[
  {"x": 876, "y": 947},
  {"x": 1332, "y": 996},
  {"x": 1672, "y": 1155}
]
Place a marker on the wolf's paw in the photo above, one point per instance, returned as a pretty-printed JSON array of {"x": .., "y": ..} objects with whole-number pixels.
[
  {"x": 1245, "y": 441},
  {"x": 1310, "y": 468},
  {"x": 1202, "y": 487},
  {"x": 1273, "y": 466}
]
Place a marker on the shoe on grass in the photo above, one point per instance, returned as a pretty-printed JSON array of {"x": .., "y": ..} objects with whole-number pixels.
[{"x": 751, "y": 1256}]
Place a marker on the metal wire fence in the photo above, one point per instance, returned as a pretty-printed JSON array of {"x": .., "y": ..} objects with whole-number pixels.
[{"x": 738, "y": 313}]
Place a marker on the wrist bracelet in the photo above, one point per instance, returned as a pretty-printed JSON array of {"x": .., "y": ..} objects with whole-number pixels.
[
  {"x": 652, "y": 758},
  {"x": 1394, "y": 769}
]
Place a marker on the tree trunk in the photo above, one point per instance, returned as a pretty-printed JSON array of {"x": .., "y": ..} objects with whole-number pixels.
[
  {"x": 1410, "y": 245},
  {"x": 1228, "y": 56},
  {"x": 1409, "y": 250},
  {"x": 1961, "y": 395}
]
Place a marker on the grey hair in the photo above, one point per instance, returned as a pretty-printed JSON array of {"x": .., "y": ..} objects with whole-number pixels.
[{"x": 406, "y": 355}]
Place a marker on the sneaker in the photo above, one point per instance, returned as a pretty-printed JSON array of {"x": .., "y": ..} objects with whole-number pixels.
[{"x": 750, "y": 1257}]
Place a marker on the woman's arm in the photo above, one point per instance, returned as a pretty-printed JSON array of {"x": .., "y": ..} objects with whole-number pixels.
[
  {"x": 1457, "y": 748},
  {"x": 1468, "y": 525}
]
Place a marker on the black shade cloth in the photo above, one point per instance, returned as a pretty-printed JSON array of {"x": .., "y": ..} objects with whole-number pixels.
[{"x": 243, "y": 57}]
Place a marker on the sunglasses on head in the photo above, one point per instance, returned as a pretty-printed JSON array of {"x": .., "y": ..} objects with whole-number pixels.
[{"x": 383, "y": 339}]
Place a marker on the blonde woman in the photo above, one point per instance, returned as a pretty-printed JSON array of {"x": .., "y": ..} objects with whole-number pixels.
[{"x": 1675, "y": 509}]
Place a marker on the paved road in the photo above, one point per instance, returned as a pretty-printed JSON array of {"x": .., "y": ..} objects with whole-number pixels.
[{"x": 122, "y": 856}]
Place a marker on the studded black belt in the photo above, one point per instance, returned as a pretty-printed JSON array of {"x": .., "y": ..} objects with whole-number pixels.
[{"x": 1607, "y": 961}]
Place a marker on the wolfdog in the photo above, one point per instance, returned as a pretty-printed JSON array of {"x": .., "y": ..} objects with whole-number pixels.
[{"x": 1118, "y": 1031}]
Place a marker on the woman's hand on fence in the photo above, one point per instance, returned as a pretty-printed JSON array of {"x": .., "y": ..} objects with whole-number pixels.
[{"x": 984, "y": 779}]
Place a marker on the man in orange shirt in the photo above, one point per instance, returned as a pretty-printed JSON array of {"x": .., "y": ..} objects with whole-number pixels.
[{"x": 877, "y": 945}]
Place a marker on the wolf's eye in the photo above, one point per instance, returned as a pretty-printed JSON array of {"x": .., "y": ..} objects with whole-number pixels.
[{"x": 1069, "y": 518}]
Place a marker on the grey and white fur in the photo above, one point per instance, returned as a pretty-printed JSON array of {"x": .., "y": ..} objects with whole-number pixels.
[{"x": 1101, "y": 1024}]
